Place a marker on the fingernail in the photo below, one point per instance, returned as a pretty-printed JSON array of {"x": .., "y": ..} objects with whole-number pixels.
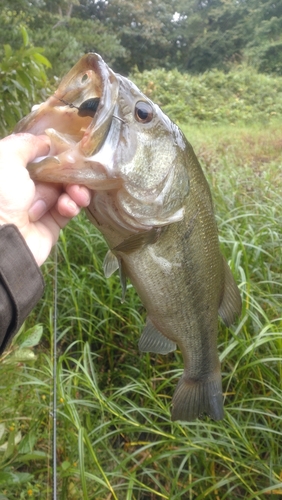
[
  {"x": 37, "y": 210},
  {"x": 72, "y": 205},
  {"x": 75, "y": 209},
  {"x": 86, "y": 193}
]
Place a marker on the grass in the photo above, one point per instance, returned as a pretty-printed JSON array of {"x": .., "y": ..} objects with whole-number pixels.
[{"x": 115, "y": 437}]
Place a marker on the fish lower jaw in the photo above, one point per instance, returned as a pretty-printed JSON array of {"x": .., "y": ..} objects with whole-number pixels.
[{"x": 111, "y": 219}]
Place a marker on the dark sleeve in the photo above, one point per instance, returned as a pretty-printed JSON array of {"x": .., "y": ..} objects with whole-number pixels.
[{"x": 21, "y": 283}]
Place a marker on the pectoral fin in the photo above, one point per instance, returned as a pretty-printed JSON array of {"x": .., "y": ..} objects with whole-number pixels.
[
  {"x": 110, "y": 265},
  {"x": 152, "y": 340},
  {"x": 231, "y": 303}
]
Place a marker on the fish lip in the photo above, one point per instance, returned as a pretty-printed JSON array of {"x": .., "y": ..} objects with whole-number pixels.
[
  {"x": 89, "y": 78},
  {"x": 106, "y": 86},
  {"x": 97, "y": 131},
  {"x": 76, "y": 140}
]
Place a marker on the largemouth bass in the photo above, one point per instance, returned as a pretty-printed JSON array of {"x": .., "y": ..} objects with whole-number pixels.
[{"x": 153, "y": 205}]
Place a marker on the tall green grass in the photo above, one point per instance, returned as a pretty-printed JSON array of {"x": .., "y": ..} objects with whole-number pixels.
[{"x": 116, "y": 440}]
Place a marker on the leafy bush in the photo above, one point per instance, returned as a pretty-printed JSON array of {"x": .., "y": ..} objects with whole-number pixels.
[
  {"x": 242, "y": 95},
  {"x": 23, "y": 82}
]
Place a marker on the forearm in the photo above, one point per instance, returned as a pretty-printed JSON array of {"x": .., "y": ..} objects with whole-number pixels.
[{"x": 21, "y": 283}]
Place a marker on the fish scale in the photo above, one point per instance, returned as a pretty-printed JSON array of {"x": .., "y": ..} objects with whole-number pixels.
[{"x": 152, "y": 203}]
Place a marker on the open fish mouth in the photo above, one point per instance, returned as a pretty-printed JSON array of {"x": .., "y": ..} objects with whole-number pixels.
[
  {"x": 101, "y": 129},
  {"x": 76, "y": 117}
]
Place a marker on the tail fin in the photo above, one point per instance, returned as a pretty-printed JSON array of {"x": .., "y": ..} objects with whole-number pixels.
[{"x": 194, "y": 398}]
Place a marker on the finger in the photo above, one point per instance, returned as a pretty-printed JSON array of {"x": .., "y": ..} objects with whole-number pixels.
[
  {"x": 46, "y": 196},
  {"x": 66, "y": 208},
  {"x": 81, "y": 195},
  {"x": 68, "y": 204},
  {"x": 53, "y": 222},
  {"x": 23, "y": 148}
]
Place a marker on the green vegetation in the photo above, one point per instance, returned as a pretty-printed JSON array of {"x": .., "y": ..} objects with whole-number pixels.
[
  {"x": 190, "y": 35},
  {"x": 242, "y": 95},
  {"x": 115, "y": 437},
  {"x": 23, "y": 82}
]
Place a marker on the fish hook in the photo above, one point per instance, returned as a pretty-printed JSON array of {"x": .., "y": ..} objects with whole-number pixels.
[
  {"x": 86, "y": 108},
  {"x": 70, "y": 104},
  {"x": 118, "y": 118}
]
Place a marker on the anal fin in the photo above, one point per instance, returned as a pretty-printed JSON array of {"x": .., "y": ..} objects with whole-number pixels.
[{"x": 152, "y": 340}]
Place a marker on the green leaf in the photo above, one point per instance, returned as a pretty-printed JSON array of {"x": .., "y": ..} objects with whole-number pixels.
[
  {"x": 35, "y": 455},
  {"x": 7, "y": 477},
  {"x": 24, "y": 80},
  {"x": 20, "y": 87},
  {"x": 27, "y": 443},
  {"x": 31, "y": 337},
  {"x": 25, "y": 36},
  {"x": 13, "y": 439},
  {"x": 2, "y": 430},
  {"x": 8, "y": 51},
  {"x": 42, "y": 59},
  {"x": 20, "y": 355},
  {"x": 65, "y": 465}
]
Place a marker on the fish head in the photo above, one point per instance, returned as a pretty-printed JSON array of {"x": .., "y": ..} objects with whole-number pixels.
[
  {"x": 148, "y": 153},
  {"x": 106, "y": 134}
]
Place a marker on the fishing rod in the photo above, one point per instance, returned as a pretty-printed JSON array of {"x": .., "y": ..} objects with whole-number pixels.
[{"x": 54, "y": 406}]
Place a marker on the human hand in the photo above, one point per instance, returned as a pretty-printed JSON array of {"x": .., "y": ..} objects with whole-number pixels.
[{"x": 39, "y": 211}]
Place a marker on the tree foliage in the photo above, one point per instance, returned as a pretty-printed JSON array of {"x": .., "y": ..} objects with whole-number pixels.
[
  {"x": 67, "y": 39},
  {"x": 190, "y": 35},
  {"x": 23, "y": 82},
  {"x": 144, "y": 29},
  {"x": 217, "y": 33}
]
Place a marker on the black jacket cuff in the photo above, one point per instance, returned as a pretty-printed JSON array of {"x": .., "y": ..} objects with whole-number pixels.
[{"x": 21, "y": 282}]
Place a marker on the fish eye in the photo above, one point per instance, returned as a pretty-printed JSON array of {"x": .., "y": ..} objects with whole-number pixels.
[
  {"x": 143, "y": 112},
  {"x": 89, "y": 107}
]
